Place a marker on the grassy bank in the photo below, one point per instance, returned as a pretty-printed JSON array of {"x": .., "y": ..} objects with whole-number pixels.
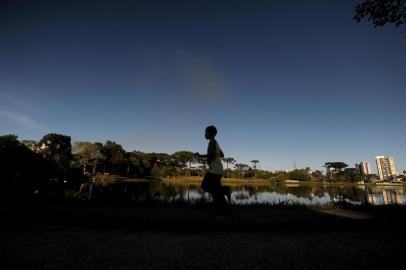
[{"x": 196, "y": 180}]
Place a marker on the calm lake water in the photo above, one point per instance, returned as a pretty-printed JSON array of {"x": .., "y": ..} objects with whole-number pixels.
[{"x": 249, "y": 194}]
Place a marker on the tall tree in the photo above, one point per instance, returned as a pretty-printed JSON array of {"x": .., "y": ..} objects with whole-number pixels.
[
  {"x": 228, "y": 160},
  {"x": 137, "y": 165},
  {"x": 335, "y": 166},
  {"x": 334, "y": 169},
  {"x": 98, "y": 156},
  {"x": 241, "y": 168},
  {"x": 57, "y": 148},
  {"x": 254, "y": 163},
  {"x": 184, "y": 157},
  {"x": 381, "y": 12},
  {"x": 116, "y": 157},
  {"x": 254, "y": 166},
  {"x": 317, "y": 174},
  {"x": 87, "y": 154},
  {"x": 203, "y": 163}
]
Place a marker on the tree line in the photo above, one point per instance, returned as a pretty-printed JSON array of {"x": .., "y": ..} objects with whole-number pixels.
[
  {"x": 55, "y": 157},
  {"x": 61, "y": 157}
]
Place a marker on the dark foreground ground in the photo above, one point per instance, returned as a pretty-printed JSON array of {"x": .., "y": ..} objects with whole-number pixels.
[{"x": 181, "y": 237}]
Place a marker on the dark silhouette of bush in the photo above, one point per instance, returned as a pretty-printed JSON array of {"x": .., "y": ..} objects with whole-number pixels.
[
  {"x": 27, "y": 175},
  {"x": 23, "y": 171}
]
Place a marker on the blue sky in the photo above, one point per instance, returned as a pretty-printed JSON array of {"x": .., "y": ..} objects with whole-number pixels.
[{"x": 278, "y": 78}]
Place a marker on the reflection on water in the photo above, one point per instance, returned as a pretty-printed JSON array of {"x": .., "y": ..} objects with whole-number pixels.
[
  {"x": 249, "y": 194},
  {"x": 388, "y": 195}
]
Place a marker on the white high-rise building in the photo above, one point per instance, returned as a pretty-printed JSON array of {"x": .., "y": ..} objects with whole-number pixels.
[
  {"x": 386, "y": 168},
  {"x": 364, "y": 168}
]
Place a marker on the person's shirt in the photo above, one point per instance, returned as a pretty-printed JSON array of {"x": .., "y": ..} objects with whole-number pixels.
[{"x": 214, "y": 155}]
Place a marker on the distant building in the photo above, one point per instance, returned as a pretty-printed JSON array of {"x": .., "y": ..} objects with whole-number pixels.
[
  {"x": 386, "y": 168},
  {"x": 363, "y": 168}
]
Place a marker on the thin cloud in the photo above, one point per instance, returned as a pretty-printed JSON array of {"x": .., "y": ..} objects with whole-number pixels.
[
  {"x": 21, "y": 119},
  {"x": 14, "y": 102},
  {"x": 190, "y": 76},
  {"x": 202, "y": 79}
]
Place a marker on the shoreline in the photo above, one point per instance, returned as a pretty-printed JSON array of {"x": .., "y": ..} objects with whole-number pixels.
[{"x": 235, "y": 181}]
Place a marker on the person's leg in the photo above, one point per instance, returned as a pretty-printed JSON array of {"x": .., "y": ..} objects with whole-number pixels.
[
  {"x": 227, "y": 192},
  {"x": 205, "y": 185},
  {"x": 218, "y": 195}
]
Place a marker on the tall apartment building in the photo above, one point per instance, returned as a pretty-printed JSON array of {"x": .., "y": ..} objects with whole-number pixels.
[
  {"x": 386, "y": 168},
  {"x": 363, "y": 167}
]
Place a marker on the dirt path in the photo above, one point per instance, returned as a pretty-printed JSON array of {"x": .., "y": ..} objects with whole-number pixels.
[{"x": 65, "y": 237}]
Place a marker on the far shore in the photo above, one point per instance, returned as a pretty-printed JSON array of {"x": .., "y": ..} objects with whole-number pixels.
[{"x": 196, "y": 180}]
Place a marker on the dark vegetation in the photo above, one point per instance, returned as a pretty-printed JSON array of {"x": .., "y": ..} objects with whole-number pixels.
[
  {"x": 54, "y": 169},
  {"x": 382, "y": 12}
]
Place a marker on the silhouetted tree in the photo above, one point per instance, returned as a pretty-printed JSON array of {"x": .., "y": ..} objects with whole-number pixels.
[
  {"x": 116, "y": 157},
  {"x": 137, "y": 163},
  {"x": 300, "y": 175},
  {"x": 241, "y": 168},
  {"x": 23, "y": 171},
  {"x": 58, "y": 149},
  {"x": 254, "y": 163},
  {"x": 381, "y": 12},
  {"x": 98, "y": 156},
  {"x": 184, "y": 157},
  {"x": 317, "y": 174},
  {"x": 336, "y": 166},
  {"x": 254, "y": 166},
  {"x": 158, "y": 164},
  {"x": 352, "y": 175},
  {"x": 228, "y": 160},
  {"x": 86, "y": 154}
]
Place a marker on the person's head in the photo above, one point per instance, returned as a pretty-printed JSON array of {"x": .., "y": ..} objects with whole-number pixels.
[{"x": 210, "y": 132}]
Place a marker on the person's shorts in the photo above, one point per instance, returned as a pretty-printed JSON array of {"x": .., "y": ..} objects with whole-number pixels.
[{"x": 211, "y": 183}]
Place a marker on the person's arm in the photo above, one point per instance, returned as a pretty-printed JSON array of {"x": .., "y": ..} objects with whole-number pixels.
[{"x": 211, "y": 151}]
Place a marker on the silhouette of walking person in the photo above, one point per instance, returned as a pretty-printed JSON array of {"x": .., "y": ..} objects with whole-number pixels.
[{"x": 212, "y": 180}]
